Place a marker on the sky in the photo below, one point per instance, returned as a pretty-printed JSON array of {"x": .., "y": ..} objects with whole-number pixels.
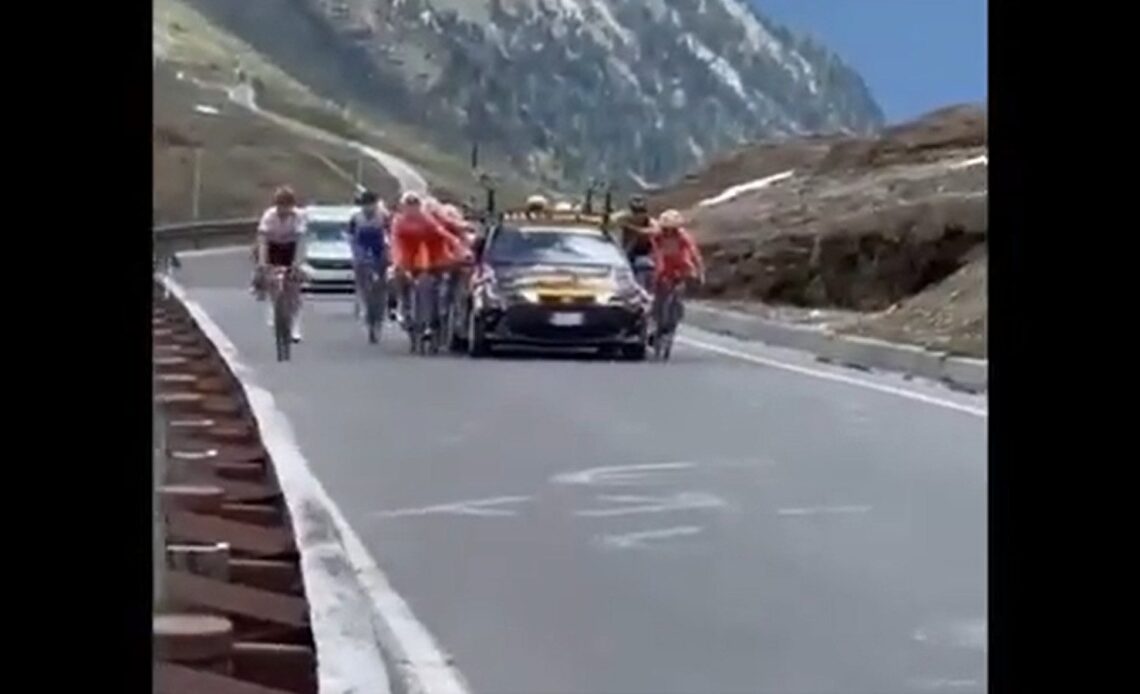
[{"x": 915, "y": 55}]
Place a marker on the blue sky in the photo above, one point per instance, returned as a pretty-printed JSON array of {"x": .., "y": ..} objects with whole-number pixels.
[{"x": 915, "y": 55}]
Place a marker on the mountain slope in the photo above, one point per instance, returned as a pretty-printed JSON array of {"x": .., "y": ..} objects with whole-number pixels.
[
  {"x": 893, "y": 225},
  {"x": 565, "y": 89}
]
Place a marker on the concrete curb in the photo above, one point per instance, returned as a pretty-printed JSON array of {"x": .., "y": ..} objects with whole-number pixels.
[
  {"x": 366, "y": 637},
  {"x": 962, "y": 373}
]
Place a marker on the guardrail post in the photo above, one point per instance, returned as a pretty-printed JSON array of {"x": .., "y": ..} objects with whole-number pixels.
[
  {"x": 196, "y": 195},
  {"x": 158, "y": 467}
]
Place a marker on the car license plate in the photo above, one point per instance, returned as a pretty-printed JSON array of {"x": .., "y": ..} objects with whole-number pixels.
[{"x": 566, "y": 319}]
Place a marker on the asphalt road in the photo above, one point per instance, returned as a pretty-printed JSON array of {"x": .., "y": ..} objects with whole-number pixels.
[{"x": 754, "y": 530}]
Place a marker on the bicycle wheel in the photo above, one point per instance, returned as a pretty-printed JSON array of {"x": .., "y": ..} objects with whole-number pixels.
[
  {"x": 666, "y": 346},
  {"x": 373, "y": 315},
  {"x": 282, "y": 328}
]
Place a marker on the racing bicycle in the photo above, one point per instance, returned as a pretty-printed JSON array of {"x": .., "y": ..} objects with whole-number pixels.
[
  {"x": 643, "y": 271},
  {"x": 668, "y": 310},
  {"x": 423, "y": 313},
  {"x": 283, "y": 293},
  {"x": 374, "y": 293}
]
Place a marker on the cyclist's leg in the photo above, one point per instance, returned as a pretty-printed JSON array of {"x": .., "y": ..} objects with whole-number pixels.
[
  {"x": 380, "y": 289},
  {"x": 660, "y": 288},
  {"x": 294, "y": 287},
  {"x": 679, "y": 303},
  {"x": 360, "y": 277}
]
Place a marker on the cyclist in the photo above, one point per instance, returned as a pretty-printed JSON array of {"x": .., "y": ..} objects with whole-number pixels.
[
  {"x": 278, "y": 235},
  {"x": 637, "y": 228},
  {"x": 419, "y": 244},
  {"x": 368, "y": 235},
  {"x": 451, "y": 218},
  {"x": 676, "y": 257}
]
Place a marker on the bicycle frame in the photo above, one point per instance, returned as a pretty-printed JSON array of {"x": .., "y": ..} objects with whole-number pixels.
[
  {"x": 424, "y": 293},
  {"x": 667, "y": 304},
  {"x": 373, "y": 290},
  {"x": 284, "y": 295}
]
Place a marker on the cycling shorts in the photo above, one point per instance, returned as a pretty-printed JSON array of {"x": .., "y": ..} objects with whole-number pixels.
[{"x": 281, "y": 254}]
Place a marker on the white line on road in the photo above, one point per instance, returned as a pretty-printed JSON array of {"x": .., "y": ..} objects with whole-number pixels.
[
  {"x": 684, "y": 501},
  {"x": 945, "y": 683},
  {"x": 338, "y": 571},
  {"x": 822, "y": 510},
  {"x": 474, "y": 507},
  {"x": 839, "y": 378},
  {"x": 617, "y": 474},
  {"x": 639, "y": 539}
]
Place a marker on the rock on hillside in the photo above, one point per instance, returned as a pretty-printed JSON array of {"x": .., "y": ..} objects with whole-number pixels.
[
  {"x": 567, "y": 89},
  {"x": 849, "y": 222}
]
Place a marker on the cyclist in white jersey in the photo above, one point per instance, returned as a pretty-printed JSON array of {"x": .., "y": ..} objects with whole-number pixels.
[{"x": 278, "y": 240}]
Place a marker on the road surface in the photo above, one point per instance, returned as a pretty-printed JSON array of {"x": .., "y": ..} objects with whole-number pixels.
[{"x": 708, "y": 525}]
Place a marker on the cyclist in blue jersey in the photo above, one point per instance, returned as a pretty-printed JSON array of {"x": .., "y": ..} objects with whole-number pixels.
[{"x": 368, "y": 234}]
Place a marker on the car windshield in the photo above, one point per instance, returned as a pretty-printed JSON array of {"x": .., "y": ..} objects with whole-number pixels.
[
  {"x": 326, "y": 231},
  {"x": 554, "y": 246}
]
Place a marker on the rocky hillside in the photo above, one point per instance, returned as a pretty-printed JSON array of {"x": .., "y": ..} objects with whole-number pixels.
[
  {"x": 892, "y": 225},
  {"x": 566, "y": 89},
  {"x": 241, "y": 157}
]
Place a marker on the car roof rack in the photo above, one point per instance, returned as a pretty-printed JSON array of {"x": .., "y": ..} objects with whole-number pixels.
[{"x": 557, "y": 217}]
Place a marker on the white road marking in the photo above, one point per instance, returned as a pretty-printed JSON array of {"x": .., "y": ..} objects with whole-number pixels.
[
  {"x": 822, "y": 510},
  {"x": 839, "y": 378},
  {"x": 632, "y": 504},
  {"x": 966, "y": 633},
  {"x": 474, "y": 507},
  {"x": 352, "y": 603},
  {"x": 618, "y": 475},
  {"x": 639, "y": 539},
  {"x": 945, "y": 683}
]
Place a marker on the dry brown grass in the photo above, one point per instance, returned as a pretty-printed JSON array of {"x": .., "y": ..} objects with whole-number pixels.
[{"x": 243, "y": 157}]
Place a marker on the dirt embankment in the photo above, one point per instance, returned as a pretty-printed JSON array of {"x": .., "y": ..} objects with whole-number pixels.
[
  {"x": 242, "y": 157},
  {"x": 860, "y": 223}
]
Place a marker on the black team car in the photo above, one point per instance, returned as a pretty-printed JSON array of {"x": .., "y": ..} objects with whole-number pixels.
[{"x": 551, "y": 280}]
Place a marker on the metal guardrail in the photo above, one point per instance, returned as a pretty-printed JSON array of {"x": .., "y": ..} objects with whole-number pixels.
[
  {"x": 159, "y": 530},
  {"x": 204, "y": 234}
]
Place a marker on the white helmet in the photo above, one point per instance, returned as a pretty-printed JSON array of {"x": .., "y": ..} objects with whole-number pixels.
[
  {"x": 450, "y": 211},
  {"x": 670, "y": 219},
  {"x": 537, "y": 202},
  {"x": 410, "y": 198}
]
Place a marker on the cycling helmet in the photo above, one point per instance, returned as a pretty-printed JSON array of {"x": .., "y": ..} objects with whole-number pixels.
[
  {"x": 451, "y": 212},
  {"x": 637, "y": 203},
  {"x": 410, "y": 198},
  {"x": 284, "y": 196},
  {"x": 670, "y": 219},
  {"x": 536, "y": 203}
]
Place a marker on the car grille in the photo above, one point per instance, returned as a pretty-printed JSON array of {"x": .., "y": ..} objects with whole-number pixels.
[
  {"x": 599, "y": 322},
  {"x": 555, "y": 300},
  {"x": 329, "y": 264}
]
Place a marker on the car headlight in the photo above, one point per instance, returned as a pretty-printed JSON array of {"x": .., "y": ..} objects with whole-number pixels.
[
  {"x": 491, "y": 295},
  {"x": 628, "y": 290}
]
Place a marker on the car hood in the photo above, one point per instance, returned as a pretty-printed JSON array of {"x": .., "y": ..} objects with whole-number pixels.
[
  {"x": 328, "y": 250},
  {"x": 550, "y": 276}
]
